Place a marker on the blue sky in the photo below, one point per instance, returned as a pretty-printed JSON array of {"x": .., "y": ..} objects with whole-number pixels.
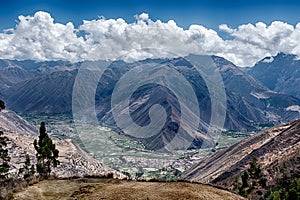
[
  {"x": 39, "y": 29},
  {"x": 209, "y": 13}
]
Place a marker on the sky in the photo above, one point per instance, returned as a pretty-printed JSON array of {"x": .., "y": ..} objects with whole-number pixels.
[
  {"x": 210, "y": 13},
  {"x": 242, "y": 31}
]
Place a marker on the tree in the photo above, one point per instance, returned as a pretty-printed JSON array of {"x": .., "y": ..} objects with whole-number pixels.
[
  {"x": 27, "y": 170},
  {"x": 253, "y": 180},
  {"x": 244, "y": 189},
  {"x": 2, "y": 105},
  {"x": 4, "y": 158},
  {"x": 47, "y": 154}
]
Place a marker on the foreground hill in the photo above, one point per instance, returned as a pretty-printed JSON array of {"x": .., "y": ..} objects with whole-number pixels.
[
  {"x": 273, "y": 148},
  {"x": 74, "y": 161},
  {"x": 120, "y": 189}
]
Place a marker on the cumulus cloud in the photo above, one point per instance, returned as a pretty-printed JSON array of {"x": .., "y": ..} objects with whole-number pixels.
[
  {"x": 225, "y": 28},
  {"x": 38, "y": 37},
  {"x": 108, "y": 39},
  {"x": 260, "y": 40}
]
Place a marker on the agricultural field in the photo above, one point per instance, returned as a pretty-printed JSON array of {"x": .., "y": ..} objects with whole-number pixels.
[{"x": 125, "y": 154}]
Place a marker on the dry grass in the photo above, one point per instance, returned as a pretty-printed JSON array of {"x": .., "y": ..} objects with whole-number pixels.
[{"x": 91, "y": 188}]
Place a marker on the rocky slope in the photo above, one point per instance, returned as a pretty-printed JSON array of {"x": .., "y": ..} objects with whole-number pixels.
[
  {"x": 273, "y": 148},
  {"x": 74, "y": 161}
]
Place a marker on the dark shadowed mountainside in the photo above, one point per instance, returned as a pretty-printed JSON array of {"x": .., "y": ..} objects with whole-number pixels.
[{"x": 48, "y": 93}]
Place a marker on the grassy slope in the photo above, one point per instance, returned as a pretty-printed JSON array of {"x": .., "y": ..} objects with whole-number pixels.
[{"x": 120, "y": 189}]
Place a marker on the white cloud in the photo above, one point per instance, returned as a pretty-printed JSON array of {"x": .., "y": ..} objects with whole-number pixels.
[
  {"x": 143, "y": 17},
  {"x": 260, "y": 40},
  {"x": 225, "y": 28},
  {"x": 38, "y": 37}
]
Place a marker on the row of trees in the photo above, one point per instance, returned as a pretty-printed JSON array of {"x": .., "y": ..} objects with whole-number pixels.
[{"x": 46, "y": 155}]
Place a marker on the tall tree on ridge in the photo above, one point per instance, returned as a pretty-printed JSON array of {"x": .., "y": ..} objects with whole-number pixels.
[{"x": 47, "y": 154}]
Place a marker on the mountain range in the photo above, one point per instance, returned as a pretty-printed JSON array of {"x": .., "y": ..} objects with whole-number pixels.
[{"x": 47, "y": 87}]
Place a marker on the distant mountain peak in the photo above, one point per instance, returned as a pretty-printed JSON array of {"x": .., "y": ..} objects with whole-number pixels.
[
  {"x": 284, "y": 56},
  {"x": 280, "y": 73}
]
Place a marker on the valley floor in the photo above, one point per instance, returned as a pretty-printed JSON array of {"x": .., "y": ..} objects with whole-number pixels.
[{"x": 91, "y": 188}]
